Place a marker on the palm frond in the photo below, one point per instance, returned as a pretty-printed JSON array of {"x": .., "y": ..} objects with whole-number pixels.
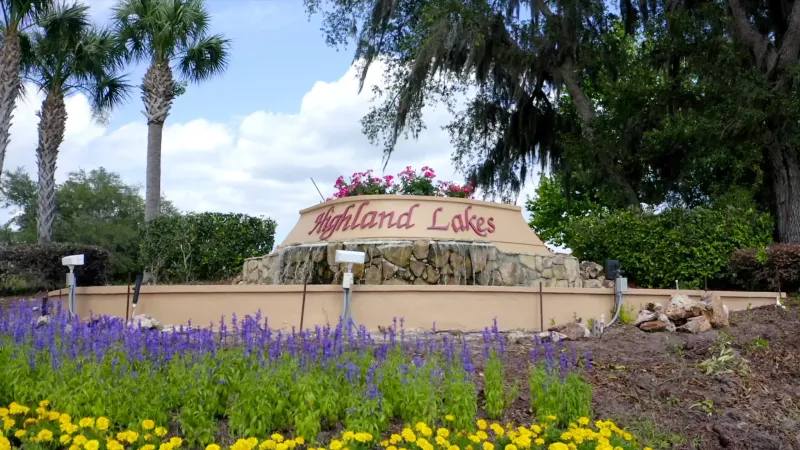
[
  {"x": 108, "y": 93},
  {"x": 205, "y": 58}
]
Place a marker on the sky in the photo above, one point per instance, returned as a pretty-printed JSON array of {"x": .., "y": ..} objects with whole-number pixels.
[{"x": 286, "y": 110}]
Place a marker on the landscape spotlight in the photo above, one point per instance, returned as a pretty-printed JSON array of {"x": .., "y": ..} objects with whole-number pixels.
[
  {"x": 72, "y": 261},
  {"x": 349, "y": 257}
]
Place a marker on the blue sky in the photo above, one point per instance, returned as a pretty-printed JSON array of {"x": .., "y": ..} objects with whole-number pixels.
[{"x": 287, "y": 109}]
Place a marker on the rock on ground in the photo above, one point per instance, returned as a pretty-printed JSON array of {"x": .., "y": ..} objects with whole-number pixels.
[
  {"x": 696, "y": 325},
  {"x": 715, "y": 311},
  {"x": 681, "y": 307},
  {"x": 145, "y": 321},
  {"x": 573, "y": 330}
]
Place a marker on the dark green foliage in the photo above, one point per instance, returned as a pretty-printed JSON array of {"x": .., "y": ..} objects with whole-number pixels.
[
  {"x": 28, "y": 268},
  {"x": 551, "y": 210},
  {"x": 207, "y": 246},
  {"x": 772, "y": 268},
  {"x": 93, "y": 208},
  {"x": 655, "y": 250}
]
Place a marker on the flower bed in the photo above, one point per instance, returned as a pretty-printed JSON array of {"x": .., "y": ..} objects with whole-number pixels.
[
  {"x": 206, "y": 386},
  {"x": 407, "y": 182}
]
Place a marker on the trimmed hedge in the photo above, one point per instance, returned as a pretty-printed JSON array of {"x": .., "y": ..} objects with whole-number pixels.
[
  {"x": 30, "y": 268},
  {"x": 775, "y": 267},
  {"x": 207, "y": 246},
  {"x": 692, "y": 246}
]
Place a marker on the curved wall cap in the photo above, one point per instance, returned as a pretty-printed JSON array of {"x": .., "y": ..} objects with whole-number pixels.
[{"x": 411, "y": 217}]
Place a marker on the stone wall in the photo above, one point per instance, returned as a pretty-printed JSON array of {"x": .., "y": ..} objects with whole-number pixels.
[{"x": 421, "y": 262}]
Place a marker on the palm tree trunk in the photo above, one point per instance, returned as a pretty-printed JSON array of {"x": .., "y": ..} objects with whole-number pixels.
[
  {"x": 158, "y": 91},
  {"x": 52, "y": 123},
  {"x": 10, "y": 56}
]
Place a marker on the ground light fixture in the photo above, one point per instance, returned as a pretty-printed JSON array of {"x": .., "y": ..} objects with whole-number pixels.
[
  {"x": 348, "y": 257},
  {"x": 72, "y": 261}
]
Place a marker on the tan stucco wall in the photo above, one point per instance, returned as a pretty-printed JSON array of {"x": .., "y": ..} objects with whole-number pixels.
[
  {"x": 414, "y": 217},
  {"x": 465, "y": 308}
]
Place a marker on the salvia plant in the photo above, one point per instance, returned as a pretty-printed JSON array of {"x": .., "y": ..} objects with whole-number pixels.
[{"x": 260, "y": 380}]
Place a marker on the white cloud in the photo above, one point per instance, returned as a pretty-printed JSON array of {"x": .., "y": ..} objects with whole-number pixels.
[{"x": 258, "y": 164}]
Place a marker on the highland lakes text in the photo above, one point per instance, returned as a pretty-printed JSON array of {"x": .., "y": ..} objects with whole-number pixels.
[{"x": 359, "y": 216}]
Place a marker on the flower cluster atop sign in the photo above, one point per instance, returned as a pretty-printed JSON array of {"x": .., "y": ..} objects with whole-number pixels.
[{"x": 407, "y": 182}]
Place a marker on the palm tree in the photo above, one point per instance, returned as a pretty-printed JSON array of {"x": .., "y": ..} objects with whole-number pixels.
[
  {"x": 165, "y": 33},
  {"x": 68, "y": 56},
  {"x": 16, "y": 16}
]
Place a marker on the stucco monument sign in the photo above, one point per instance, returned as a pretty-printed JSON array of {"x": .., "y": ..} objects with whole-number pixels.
[{"x": 414, "y": 240}]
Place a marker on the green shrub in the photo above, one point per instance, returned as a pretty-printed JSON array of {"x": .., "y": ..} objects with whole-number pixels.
[
  {"x": 688, "y": 245},
  {"x": 207, "y": 246},
  {"x": 30, "y": 268},
  {"x": 774, "y": 267}
]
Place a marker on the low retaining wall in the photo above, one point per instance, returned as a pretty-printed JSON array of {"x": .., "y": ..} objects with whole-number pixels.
[{"x": 466, "y": 308}]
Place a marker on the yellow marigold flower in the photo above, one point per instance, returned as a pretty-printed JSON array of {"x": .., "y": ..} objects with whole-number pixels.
[
  {"x": 102, "y": 423},
  {"x": 511, "y": 447},
  {"x": 20, "y": 433},
  {"x": 424, "y": 444},
  {"x": 148, "y": 447},
  {"x": 627, "y": 436},
  {"x": 79, "y": 439},
  {"x": 74, "y": 447},
  {"x": 8, "y": 424},
  {"x": 442, "y": 442},
  {"x": 281, "y": 446},
  {"x": 488, "y": 446},
  {"x": 336, "y": 444},
  {"x": 395, "y": 438},
  {"x": 300, "y": 440},
  {"x": 165, "y": 446},
  {"x": 252, "y": 442},
  {"x": 148, "y": 425},
  {"x": 45, "y": 436},
  {"x": 363, "y": 437},
  {"x": 213, "y": 447},
  {"x": 391, "y": 447},
  {"x": 64, "y": 439},
  {"x": 30, "y": 421},
  {"x": 16, "y": 408},
  {"x": 177, "y": 442},
  {"x": 583, "y": 420},
  {"x": 605, "y": 432},
  {"x": 449, "y": 418},
  {"x": 474, "y": 438},
  {"x": 427, "y": 432},
  {"x": 482, "y": 435},
  {"x": 86, "y": 422},
  {"x": 539, "y": 441},
  {"x": 92, "y": 445},
  {"x": 407, "y": 434},
  {"x": 64, "y": 418},
  {"x": 160, "y": 431},
  {"x": 566, "y": 436},
  {"x": 3, "y": 413},
  {"x": 384, "y": 443},
  {"x": 558, "y": 446},
  {"x": 53, "y": 415},
  {"x": 647, "y": 448},
  {"x": 454, "y": 447},
  {"x": 148, "y": 437},
  {"x": 269, "y": 444},
  {"x": 443, "y": 432},
  {"x": 44, "y": 403},
  {"x": 481, "y": 424},
  {"x": 572, "y": 446},
  {"x": 420, "y": 426},
  {"x": 5, "y": 444},
  {"x": 277, "y": 437},
  {"x": 291, "y": 444}
]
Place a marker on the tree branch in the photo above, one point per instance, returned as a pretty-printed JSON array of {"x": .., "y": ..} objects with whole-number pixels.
[
  {"x": 787, "y": 55},
  {"x": 766, "y": 57}
]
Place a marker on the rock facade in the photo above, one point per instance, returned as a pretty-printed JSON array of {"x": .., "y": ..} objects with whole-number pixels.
[{"x": 422, "y": 263}]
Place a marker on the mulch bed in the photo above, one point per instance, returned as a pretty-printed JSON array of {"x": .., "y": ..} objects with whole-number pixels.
[{"x": 650, "y": 384}]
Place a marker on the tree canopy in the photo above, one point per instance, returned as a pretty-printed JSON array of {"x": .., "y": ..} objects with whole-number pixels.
[{"x": 652, "y": 103}]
